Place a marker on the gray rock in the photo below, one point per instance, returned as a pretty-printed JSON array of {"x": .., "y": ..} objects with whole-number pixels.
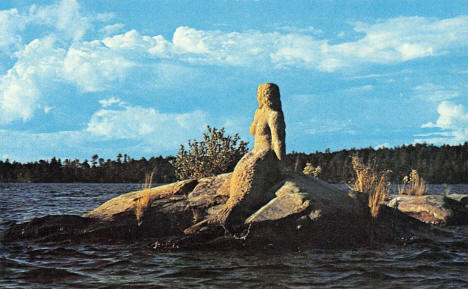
[
  {"x": 301, "y": 194},
  {"x": 433, "y": 209}
]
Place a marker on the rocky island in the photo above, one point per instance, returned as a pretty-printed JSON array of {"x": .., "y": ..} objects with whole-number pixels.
[{"x": 259, "y": 205}]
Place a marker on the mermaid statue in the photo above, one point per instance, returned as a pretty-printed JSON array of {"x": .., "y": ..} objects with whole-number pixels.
[{"x": 259, "y": 170}]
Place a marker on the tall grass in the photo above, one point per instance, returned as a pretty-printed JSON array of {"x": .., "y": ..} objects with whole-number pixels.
[
  {"x": 371, "y": 182},
  {"x": 144, "y": 200},
  {"x": 310, "y": 170},
  {"x": 413, "y": 185}
]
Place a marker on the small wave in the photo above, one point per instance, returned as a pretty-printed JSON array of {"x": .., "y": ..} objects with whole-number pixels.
[{"x": 42, "y": 275}]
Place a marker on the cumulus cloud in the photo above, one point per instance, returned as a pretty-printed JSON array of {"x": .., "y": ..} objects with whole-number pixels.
[
  {"x": 147, "y": 125},
  {"x": 453, "y": 121},
  {"x": 10, "y": 22},
  {"x": 65, "y": 16},
  {"x": 20, "y": 87},
  {"x": 12, "y": 106},
  {"x": 101, "y": 64},
  {"x": 402, "y": 39},
  {"x": 220, "y": 48},
  {"x": 138, "y": 130},
  {"x": 391, "y": 41},
  {"x": 144, "y": 46},
  {"x": 93, "y": 67}
]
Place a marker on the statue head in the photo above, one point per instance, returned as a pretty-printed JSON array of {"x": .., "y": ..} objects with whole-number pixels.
[{"x": 268, "y": 95}]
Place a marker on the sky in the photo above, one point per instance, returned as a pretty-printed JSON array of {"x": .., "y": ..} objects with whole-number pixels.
[{"x": 141, "y": 77}]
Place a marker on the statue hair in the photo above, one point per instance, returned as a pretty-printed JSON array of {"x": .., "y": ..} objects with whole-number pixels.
[{"x": 268, "y": 95}]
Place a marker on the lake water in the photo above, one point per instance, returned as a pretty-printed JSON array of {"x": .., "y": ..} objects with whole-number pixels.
[{"x": 429, "y": 264}]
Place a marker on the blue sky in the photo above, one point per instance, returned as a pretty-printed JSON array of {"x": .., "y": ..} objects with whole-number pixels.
[{"x": 142, "y": 77}]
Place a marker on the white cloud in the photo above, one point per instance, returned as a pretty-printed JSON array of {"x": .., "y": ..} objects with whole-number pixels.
[
  {"x": 301, "y": 30},
  {"x": 138, "y": 130},
  {"x": 219, "y": 48},
  {"x": 111, "y": 101},
  {"x": 14, "y": 107},
  {"x": 382, "y": 146},
  {"x": 359, "y": 89},
  {"x": 93, "y": 67},
  {"x": 65, "y": 16},
  {"x": 391, "y": 41},
  {"x": 394, "y": 40},
  {"x": 20, "y": 87},
  {"x": 10, "y": 23},
  {"x": 47, "y": 109},
  {"x": 328, "y": 126},
  {"x": 144, "y": 46},
  {"x": 434, "y": 93},
  {"x": 147, "y": 125},
  {"x": 453, "y": 120},
  {"x": 102, "y": 64},
  {"x": 26, "y": 146},
  {"x": 111, "y": 29}
]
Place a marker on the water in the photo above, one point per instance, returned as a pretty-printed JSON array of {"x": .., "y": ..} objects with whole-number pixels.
[{"x": 438, "y": 264}]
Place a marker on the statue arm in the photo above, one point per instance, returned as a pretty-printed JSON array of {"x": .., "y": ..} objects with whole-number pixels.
[
  {"x": 253, "y": 126},
  {"x": 278, "y": 134}
]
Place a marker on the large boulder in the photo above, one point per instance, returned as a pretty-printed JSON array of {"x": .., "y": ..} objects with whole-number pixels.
[
  {"x": 303, "y": 194},
  {"x": 127, "y": 203}
]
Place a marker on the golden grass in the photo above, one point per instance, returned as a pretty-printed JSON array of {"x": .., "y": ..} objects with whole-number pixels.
[
  {"x": 413, "y": 185},
  {"x": 310, "y": 170},
  {"x": 371, "y": 182},
  {"x": 144, "y": 200}
]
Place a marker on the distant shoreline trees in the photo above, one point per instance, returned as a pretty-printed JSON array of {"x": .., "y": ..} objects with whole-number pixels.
[
  {"x": 97, "y": 170},
  {"x": 437, "y": 165}
]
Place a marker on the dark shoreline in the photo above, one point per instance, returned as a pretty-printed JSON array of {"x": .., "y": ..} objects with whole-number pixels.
[{"x": 436, "y": 165}]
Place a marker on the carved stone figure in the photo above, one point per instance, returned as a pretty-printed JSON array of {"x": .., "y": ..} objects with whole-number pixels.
[
  {"x": 251, "y": 184},
  {"x": 268, "y": 126}
]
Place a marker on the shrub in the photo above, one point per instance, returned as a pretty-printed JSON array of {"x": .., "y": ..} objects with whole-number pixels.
[
  {"x": 215, "y": 154},
  {"x": 369, "y": 181},
  {"x": 413, "y": 185}
]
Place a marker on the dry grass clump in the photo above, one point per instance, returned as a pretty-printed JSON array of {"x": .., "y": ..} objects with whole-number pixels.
[
  {"x": 310, "y": 170},
  {"x": 413, "y": 185},
  {"x": 144, "y": 200},
  {"x": 369, "y": 181}
]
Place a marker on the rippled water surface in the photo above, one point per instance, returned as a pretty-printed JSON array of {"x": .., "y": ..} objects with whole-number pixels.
[{"x": 428, "y": 264}]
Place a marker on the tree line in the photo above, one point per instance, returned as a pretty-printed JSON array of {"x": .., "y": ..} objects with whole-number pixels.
[
  {"x": 436, "y": 164},
  {"x": 123, "y": 169}
]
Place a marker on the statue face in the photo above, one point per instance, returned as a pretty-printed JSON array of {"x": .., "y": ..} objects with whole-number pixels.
[{"x": 260, "y": 100}]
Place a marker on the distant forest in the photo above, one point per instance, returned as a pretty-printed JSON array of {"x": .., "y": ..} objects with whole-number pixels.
[{"x": 437, "y": 165}]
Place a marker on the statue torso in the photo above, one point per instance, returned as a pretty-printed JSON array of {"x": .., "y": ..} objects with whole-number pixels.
[{"x": 262, "y": 131}]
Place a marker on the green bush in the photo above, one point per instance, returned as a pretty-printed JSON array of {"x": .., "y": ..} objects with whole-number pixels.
[{"x": 215, "y": 154}]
